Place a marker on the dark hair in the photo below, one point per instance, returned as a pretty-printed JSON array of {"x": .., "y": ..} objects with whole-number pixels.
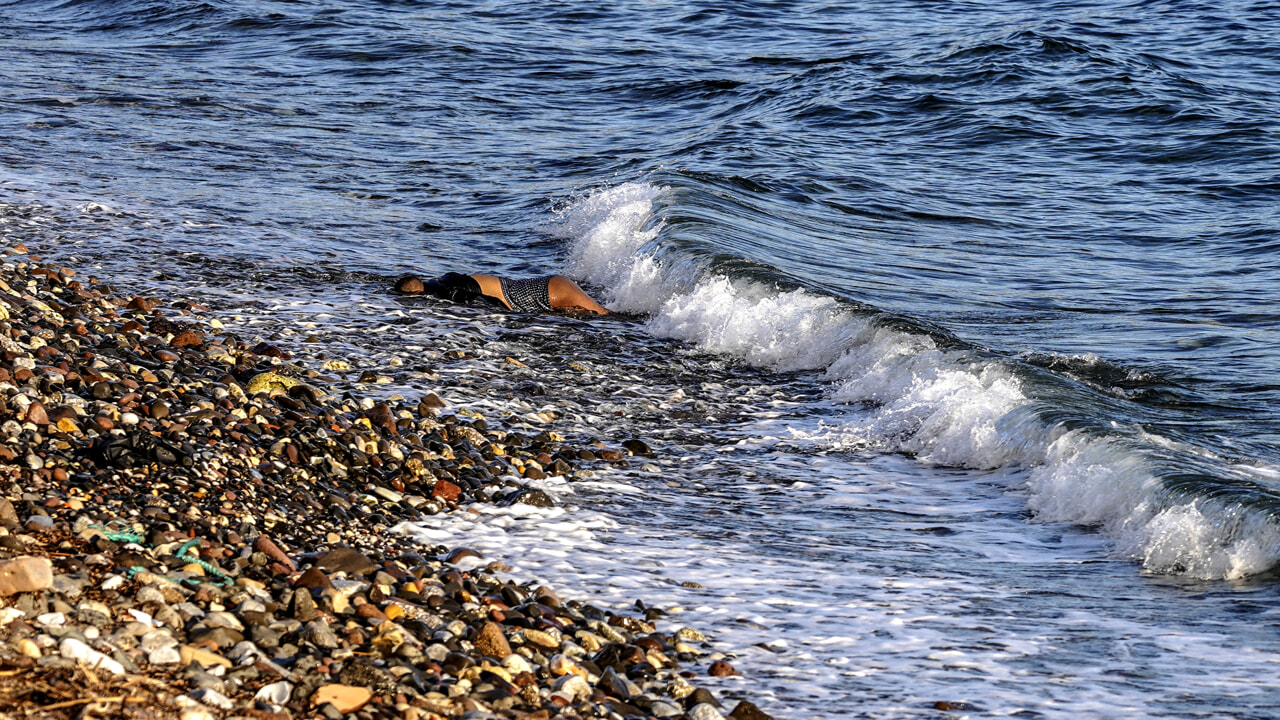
[{"x": 453, "y": 286}]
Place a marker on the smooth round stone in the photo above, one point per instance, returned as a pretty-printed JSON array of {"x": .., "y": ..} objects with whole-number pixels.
[
  {"x": 276, "y": 693},
  {"x": 213, "y": 698},
  {"x": 165, "y": 655},
  {"x": 156, "y": 639},
  {"x": 705, "y": 711},
  {"x": 662, "y": 709},
  {"x": 53, "y": 619},
  {"x": 129, "y": 418},
  {"x": 113, "y": 582},
  {"x": 149, "y": 594}
]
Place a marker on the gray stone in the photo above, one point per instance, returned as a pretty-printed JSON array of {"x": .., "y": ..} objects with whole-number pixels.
[{"x": 317, "y": 633}]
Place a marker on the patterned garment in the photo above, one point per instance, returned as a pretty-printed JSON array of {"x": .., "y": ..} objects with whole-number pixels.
[{"x": 530, "y": 295}]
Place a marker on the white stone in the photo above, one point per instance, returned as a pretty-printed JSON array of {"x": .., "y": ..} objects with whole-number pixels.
[
  {"x": 73, "y": 649},
  {"x": 277, "y": 693},
  {"x": 705, "y": 711},
  {"x": 9, "y": 614},
  {"x": 514, "y": 663},
  {"x": 572, "y": 688},
  {"x": 167, "y": 655},
  {"x": 113, "y": 582},
  {"x": 213, "y": 698},
  {"x": 157, "y": 639},
  {"x": 55, "y": 619},
  {"x": 195, "y": 712},
  {"x": 143, "y": 618}
]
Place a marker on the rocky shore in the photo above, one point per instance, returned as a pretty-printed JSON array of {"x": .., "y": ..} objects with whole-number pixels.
[{"x": 193, "y": 526}]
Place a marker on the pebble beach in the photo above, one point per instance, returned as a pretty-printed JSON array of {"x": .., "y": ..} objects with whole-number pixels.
[{"x": 197, "y": 525}]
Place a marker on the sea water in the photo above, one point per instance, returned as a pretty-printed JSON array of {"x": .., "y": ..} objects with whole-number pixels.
[{"x": 952, "y": 326}]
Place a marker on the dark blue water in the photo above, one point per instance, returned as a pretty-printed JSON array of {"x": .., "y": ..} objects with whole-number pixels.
[{"x": 1037, "y": 241}]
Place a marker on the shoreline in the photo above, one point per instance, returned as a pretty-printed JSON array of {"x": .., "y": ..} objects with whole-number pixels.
[{"x": 193, "y": 526}]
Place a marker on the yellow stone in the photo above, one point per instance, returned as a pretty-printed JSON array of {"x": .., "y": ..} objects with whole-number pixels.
[
  {"x": 268, "y": 381},
  {"x": 537, "y": 637},
  {"x": 393, "y": 612},
  {"x": 208, "y": 659},
  {"x": 67, "y": 425},
  {"x": 389, "y": 635}
]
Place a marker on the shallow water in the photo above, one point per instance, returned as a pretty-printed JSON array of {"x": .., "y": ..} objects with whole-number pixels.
[{"x": 953, "y": 326}]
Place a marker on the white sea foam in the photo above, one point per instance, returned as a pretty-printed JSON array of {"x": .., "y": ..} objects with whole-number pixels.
[
  {"x": 822, "y": 629},
  {"x": 843, "y": 584},
  {"x": 906, "y": 394}
]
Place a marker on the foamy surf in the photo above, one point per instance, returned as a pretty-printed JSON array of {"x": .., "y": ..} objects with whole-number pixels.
[{"x": 904, "y": 392}]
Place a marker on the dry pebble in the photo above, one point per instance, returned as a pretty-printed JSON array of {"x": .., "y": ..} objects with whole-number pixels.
[{"x": 191, "y": 526}]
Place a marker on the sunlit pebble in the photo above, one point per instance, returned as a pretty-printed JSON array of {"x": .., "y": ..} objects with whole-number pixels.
[{"x": 210, "y": 602}]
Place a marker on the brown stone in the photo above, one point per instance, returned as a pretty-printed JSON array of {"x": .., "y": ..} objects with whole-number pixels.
[
  {"x": 266, "y": 349},
  {"x": 381, "y": 416},
  {"x": 346, "y": 698},
  {"x": 547, "y": 596},
  {"x": 721, "y": 668},
  {"x": 748, "y": 711},
  {"x": 345, "y": 559},
  {"x": 139, "y": 303},
  {"x": 187, "y": 338},
  {"x": 36, "y": 414},
  {"x": 446, "y": 490},
  {"x": 460, "y": 553},
  {"x": 371, "y": 611},
  {"x": 267, "y": 546},
  {"x": 25, "y": 574},
  {"x": 490, "y": 641},
  {"x": 313, "y": 578}
]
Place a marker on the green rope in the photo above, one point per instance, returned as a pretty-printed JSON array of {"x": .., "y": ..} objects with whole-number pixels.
[
  {"x": 221, "y": 579},
  {"x": 112, "y": 532}
]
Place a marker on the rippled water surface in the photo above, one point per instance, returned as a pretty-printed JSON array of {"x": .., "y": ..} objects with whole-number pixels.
[{"x": 954, "y": 325}]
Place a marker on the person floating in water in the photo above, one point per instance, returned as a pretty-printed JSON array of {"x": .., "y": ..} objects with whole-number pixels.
[{"x": 553, "y": 293}]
